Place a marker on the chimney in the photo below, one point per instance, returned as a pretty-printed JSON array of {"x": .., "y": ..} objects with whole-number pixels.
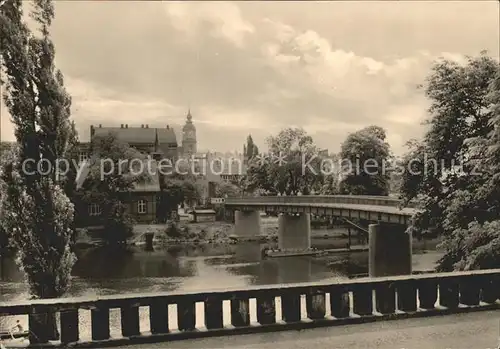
[
  {"x": 147, "y": 126},
  {"x": 121, "y": 126},
  {"x": 168, "y": 127},
  {"x": 92, "y": 130},
  {"x": 126, "y": 125},
  {"x": 142, "y": 126},
  {"x": 100, "y": 125}
]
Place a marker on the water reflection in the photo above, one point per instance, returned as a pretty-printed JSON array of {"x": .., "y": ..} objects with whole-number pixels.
[{"x": 101, "y": 271}]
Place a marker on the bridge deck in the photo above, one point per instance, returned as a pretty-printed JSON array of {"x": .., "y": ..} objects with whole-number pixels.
[
  {"x": 463, "y": 331},
  {"x": 353, "y": 207}
]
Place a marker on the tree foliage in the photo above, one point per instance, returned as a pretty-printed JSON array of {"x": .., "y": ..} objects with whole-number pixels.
[
  {"x": 35, "y": 210},
  {"x": 250, "y": 150},
  {"x": 176, "y": 190},
  {"x": 227, "y": 189},
  {"x": 289, "y": 175},
  {"x": 114, "y": 169},
  {"x": 330, "y": 185},
  {"x": 454, "y": 170},
  {"x": 364, "y": 155}
]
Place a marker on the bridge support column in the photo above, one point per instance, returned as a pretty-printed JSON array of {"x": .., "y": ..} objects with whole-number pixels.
[
  {"x": 294, "y": 231},
  {"x": 247, "y": 224},
  {"x": 390, "y": 251}
]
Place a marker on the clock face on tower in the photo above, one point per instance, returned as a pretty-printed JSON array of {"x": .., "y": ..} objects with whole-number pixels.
[{"x": 190, "y": 134}]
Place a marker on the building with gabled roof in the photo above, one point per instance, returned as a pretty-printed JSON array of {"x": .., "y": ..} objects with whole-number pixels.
[
  {"x": 146, "y": 139},
  {"x": 141, "y": 201},
  {"x": 158, "y": 141}
]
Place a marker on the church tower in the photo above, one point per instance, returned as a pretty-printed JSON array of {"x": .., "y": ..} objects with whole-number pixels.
[{"x": 189, "y": 136}]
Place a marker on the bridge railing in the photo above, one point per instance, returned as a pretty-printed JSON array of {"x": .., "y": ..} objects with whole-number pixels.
[
  {"x": 263, "y": 308},
  {"x": 321, "y": 199}
]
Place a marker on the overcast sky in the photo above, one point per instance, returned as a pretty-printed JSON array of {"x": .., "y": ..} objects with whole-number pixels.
[{"x": 256, "y": 67}]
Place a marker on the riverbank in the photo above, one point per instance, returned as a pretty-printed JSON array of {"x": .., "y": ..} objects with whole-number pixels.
[
  {"x": 222, "y": 232},
  {"x": 185, "y": 232}
]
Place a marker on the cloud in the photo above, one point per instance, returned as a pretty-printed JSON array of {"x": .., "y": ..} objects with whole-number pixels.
[
  {"x": 224, "y": 19},
  {"x": 91, "y": 102}
]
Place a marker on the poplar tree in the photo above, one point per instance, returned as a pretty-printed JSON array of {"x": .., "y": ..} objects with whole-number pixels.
[{"x": 35, "y": 209}]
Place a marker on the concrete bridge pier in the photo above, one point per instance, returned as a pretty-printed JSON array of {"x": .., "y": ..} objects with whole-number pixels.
[
  {"x": 390, "y": 251},
  {"x": 247, "y": 224},
  {"x": 294, "y": 231}
]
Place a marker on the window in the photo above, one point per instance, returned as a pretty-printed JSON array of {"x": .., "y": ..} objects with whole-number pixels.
[
  {"x": 94, "y": 210},
  {"x": 141, "y": 206},
  {"x": 82, "y": 156}
]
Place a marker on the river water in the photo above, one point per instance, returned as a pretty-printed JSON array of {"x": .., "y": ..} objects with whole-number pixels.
[{"x": 102, "y": 271}]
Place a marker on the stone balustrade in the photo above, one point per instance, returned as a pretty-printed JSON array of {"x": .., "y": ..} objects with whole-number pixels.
[{"x": 265, "y": 308}]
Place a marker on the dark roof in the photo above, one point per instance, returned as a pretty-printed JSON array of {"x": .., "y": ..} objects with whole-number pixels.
[
  {"x": 151, "y": 185},
  {"x": 139, "y": 134}
]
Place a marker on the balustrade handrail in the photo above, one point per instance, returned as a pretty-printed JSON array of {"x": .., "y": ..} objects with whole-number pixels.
[
  {"x": 323, "y": 199},
  {"x": 227, "y": 293},
  {"x": 340, "y": 196},
  {"x": 351, "y": 197}
]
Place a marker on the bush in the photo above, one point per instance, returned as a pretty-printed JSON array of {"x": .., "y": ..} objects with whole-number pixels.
[
  {"x": 173, "y": 230},
  {"x": 119, "y": 226}
]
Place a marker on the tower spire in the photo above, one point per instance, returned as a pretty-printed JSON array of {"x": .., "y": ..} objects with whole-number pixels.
[{"x": 157, "y": 141}]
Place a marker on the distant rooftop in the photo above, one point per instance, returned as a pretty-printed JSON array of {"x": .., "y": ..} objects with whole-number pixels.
[{"x": 138, "y": 134}]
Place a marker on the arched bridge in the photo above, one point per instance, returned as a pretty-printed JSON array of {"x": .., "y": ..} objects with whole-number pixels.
[
  {"x": 373, "y": 208},
  {"x": 389, "y": 247}
]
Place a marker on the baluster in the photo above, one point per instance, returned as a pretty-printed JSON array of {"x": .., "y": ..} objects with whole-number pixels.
[
  {"x": 158, "y": 316},
  {"x": 470, "y": 291},
  {"x": 69, "y": 326},
  {"x": 339, "y": 302},
  {"x": 266, "y": 310},
  {"x": 213, "y": 313},
  {"x": 449, "y": 295},
  {"x": 42, "y": 326},
  {"x": 186, "y": 315},
  {"x": 316, "y": 304},
  {"x": 385, "y": 298},
  {"x": 291, "y": 307},
  {"x": 407, "y": 296},
  {"x": 240, "y": 312},
  {"x": 490, "y": 287},
  {"x": 36, "y": 329},
  {"x": 363, "y": 299},
  {"x": 130, "y": 320},
  {"x": 100, "y": 322},
  {"x": 427, "y": 294}
]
